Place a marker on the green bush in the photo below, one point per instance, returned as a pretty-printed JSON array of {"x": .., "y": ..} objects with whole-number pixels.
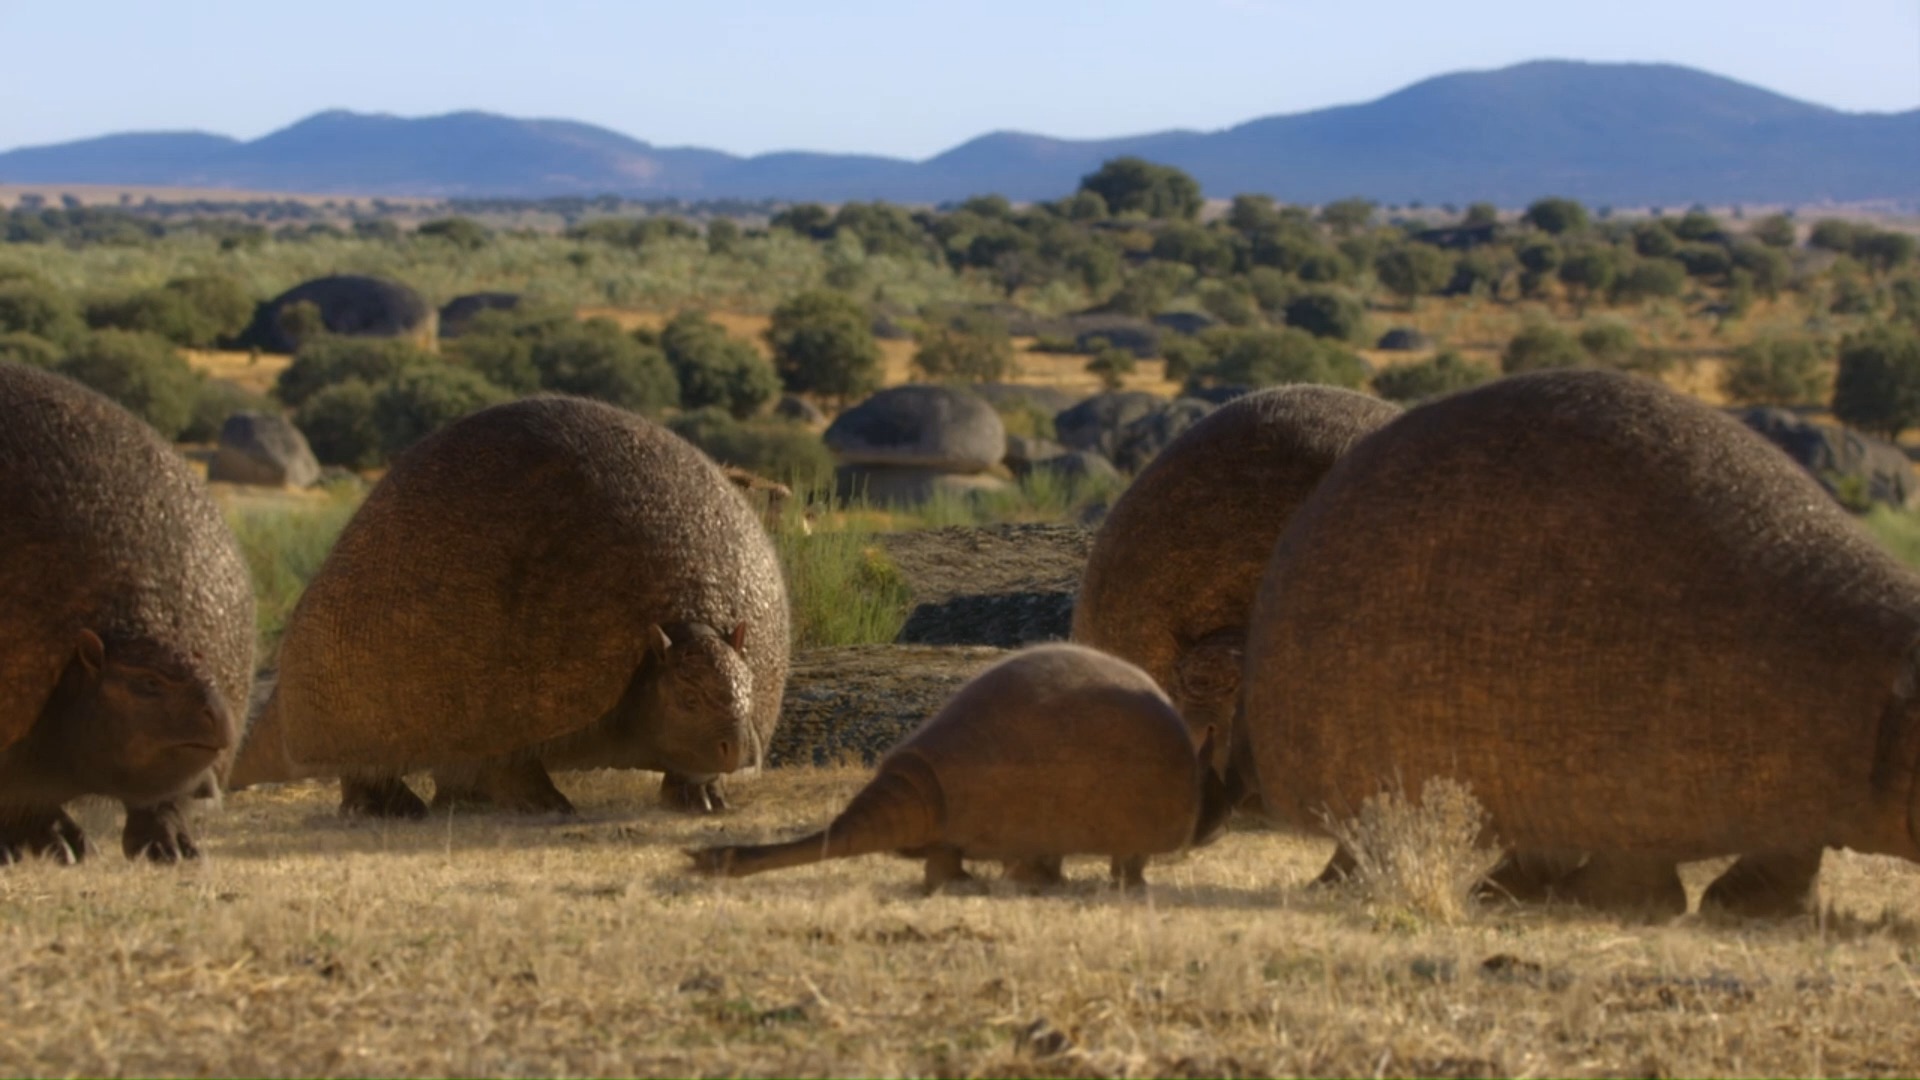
[
  {"x": 327, "y": 360},
  {"x": 841, "y": 587},
  {"x": 1440, "y": 374},
  {"x": 1611, "y": 344},
  {"x": 338, "y": 424},
  {"x": 217, "y": 400},
  {"x": 1776, "y": 371},
  {"x": 1877, "y": 387},
  {"x": 969, "y": 346},
  {"x": 1268, "y": 357},
  {"x": 1556, "y": 216},
  {"x": 421, "y": 400},
  {"x": 142, "y": 372},
  {"x": 1650, "y": 279},
  {"x": 1538, "y": 347},
  {"x": 714, "y": 369},
  {"x": 1233, "y": 303},
  {"x": 1184, "y": 356},
  {"x": 1113, "y": 365},
  {"x": 596, "y": 359},
  {"x": 195, "y": 312},
  {"x": 1412, "y": 270},
  {"x": 823, "y": 344},
  {"x": 1327, "y": 313},
  {"x": 19, "y": 347},
  {"x": 789, "y": 453},
  {"x": 1149, "y": 288},
  {"x": 31, "y": 306},
  {"x": 1774, "y": 230},
  {"x": 1134, "y": 185},
  {"x": 462, "y": 232}
]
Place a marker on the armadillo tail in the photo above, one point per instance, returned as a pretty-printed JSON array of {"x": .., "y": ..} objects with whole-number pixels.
[{"x": 899, "y": 809}]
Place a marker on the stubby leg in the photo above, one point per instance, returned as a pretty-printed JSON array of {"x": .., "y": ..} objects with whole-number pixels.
[
  {"x": 40, "y": 831},
  {"x": 1035, "y": 872},
  {"x": 1635, "y": 884},
  {"x": 1130, "y": 871},
  {"x": 1527, "y": 876},
  {"x": 694, "y": 796},
  {"x": 520, "y": 784},
  {"x": 944, "y": 866},
  {"x": 1771, "y": 885},
  {"x": 1339, "y": 868},
  {"x": 382, "y": 797},
  {"x": 158, "y": 832}
]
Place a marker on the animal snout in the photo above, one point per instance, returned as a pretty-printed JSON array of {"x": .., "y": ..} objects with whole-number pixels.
[{"x": 728, "y": 758}]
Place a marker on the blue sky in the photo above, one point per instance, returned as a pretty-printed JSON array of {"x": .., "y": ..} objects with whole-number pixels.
[{"x": 902, "y": 78}]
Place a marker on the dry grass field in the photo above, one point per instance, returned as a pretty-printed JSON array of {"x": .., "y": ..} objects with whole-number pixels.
[{"x": 483, "y": 944}]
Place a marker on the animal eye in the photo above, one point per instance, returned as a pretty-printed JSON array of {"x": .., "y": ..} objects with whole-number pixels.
[{"x": 148, "y": 686}]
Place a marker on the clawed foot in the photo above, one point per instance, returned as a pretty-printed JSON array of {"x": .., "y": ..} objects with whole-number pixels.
[
  {"x": 159, "y": 833},
  {"x": 692, "y": 796},
  {"x": 390, "y": 798},
  {"x": 45, "y": 832}
]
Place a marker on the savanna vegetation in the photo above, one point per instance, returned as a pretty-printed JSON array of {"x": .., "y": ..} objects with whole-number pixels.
[{"x": 483, "y": 944}]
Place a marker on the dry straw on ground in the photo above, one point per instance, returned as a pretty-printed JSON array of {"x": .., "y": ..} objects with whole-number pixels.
[
  {"x": 481, "y": 944},
  {"x": 1419, "y": 857}
]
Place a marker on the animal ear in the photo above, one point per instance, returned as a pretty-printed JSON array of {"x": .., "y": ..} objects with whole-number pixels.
[
  {"x": 91, "y": 651},
  {"x": 738, "y": 639},
  {"x": 657, "y": 641}
]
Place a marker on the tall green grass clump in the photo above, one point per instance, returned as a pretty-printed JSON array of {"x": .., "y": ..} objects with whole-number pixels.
[
  {"x": 284, "y": 549},
  {"x": 841, "y": 587}
]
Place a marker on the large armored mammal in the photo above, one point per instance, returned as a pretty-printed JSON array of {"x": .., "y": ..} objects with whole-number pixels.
[
  {"x": 549, "y": 583},
  {"x": 126, "y": 623},
  {"x": 1170, "y": 581},
  {"x": 1632, "y": 626}
]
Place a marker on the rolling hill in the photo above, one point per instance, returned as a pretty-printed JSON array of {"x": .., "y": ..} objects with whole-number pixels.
[{"x": 1629, "y": 134}]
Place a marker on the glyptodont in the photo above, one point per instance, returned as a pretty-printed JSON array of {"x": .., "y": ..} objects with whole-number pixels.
[
  {"x": 1635, "y": 629},
  {"x": 1170, "y": 582},
  {"x": 126, "y": 624},
  {"x": 1057, "y": 750},
  {"x": 552, "y": 583}
]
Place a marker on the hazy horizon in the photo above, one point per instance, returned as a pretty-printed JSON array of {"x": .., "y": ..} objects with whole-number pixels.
[{"x": 875, "y": 78}]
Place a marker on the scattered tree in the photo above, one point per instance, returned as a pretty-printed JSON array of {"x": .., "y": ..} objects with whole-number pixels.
[
  {"x": 823, "y": 344},
  {"x": 1877, "y": 388},
  {"x": 1135, "y": 185},
  {"x": 140, "y": 371}
]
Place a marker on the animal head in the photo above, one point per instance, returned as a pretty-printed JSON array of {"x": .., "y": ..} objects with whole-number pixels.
[
  {"x": 1206, "y": 677},
  {"x": 139, "y": 722},
  {"x": 1217, "y": 797},
  {"x": 705, "y": 698}
]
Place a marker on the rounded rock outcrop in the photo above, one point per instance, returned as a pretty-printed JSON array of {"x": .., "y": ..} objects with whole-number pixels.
[{"x": 920, "y": 427}]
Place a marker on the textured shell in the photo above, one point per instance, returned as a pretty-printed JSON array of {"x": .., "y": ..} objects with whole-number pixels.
[
  {"x": 496, "y": 589},
  {"x": 1058, "y": 750},
  {"x": 1182, "y": 552},
  {"x": 1626, "y": 621},
  {"x": 105, "y": 528}
]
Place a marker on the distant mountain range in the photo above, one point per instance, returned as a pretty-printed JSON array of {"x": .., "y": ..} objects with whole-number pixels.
[{"x": 1626, "y": 134}]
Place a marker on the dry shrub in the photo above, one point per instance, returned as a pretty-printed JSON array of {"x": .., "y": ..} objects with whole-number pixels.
[{"x": 1420, "y": 858}]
